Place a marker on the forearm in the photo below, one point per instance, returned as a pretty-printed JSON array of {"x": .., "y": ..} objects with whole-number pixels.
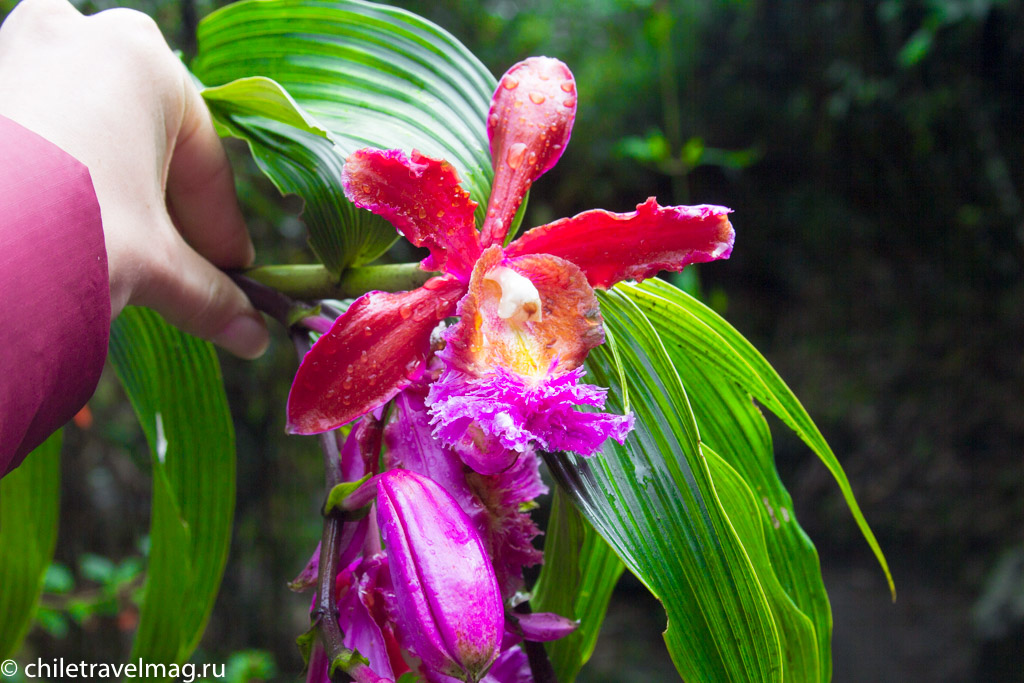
[{"x": 54, "y": 290}]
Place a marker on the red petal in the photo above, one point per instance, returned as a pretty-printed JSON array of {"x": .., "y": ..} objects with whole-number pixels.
[
  {"x": 421, "y": 197},
  {"x": 372, "y": 352},
  {"x": 568, "y": 327},
  {"x": 529, "y": 124},
  {"x": 611, "y": 247}
]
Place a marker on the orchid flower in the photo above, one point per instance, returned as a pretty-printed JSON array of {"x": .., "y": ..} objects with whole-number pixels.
[
  {"x": 528, "y": 312},
  {"x": 433, "y": 597}
]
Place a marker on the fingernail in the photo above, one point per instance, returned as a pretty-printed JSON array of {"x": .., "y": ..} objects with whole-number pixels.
[{"x": 244, "y": 336}]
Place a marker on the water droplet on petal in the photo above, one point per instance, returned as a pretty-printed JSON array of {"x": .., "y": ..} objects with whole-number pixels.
[
  {"x": 347, "y": 384},
  {"x": 568, "y": 86},
  {"x": 510, "y": 83},
  {"x": 422, "y": 213},
  {"x": 537, "y": 98},
  {"x": 405, "y": 310},
  {"x": 515, "y": 155},
  {"x": 569, "y": 102},
  {"x": 532, "y": 159},
  {"x": 492, "y": 120},
  {"x": 366, "y": 188},
  {"x": 440, "y": 214},
  {"x": 368, "y": 331}
]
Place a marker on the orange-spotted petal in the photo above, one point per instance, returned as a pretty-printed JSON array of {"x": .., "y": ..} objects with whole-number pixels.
[{"x": 531, "y": 315}]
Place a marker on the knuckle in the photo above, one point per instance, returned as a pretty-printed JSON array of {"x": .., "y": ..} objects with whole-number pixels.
[{"x": 41, "y": 16}]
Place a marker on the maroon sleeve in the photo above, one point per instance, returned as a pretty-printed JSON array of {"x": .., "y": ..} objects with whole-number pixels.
[{"x": 54, "y": 290}]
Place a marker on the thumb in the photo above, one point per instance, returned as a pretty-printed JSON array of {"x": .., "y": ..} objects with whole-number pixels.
[{"x": 196, "y": 297}]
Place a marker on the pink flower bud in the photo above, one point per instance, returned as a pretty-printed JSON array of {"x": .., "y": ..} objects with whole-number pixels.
[{"x": 450, "y": 613}]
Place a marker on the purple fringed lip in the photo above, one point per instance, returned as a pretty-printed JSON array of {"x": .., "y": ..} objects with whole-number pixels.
[{"x": 490, "y": 420}]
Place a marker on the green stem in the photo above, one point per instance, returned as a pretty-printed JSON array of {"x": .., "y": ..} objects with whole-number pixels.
[{"x": 314, "y": 281}]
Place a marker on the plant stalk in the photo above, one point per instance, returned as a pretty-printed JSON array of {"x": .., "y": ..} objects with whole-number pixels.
[
  {"x": 314, "y": 281},
  {"x": 325, "y": 615}
]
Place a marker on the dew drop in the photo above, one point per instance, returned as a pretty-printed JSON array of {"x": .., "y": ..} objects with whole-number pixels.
[
  {"x": 492, "y": 120},
  {"x": 366, "y": 188},
  {"x": 569, "y": 102},
  {"x": 412, "y": 369},
  {"x": 510, "y": 83},
  {"x": 440, "y": 214},
  {"x": 515, "y": 155},
  {"x": 405, "y": 310},
  {"x": 422, "y": 213},
  {"x": 568, "y": 86},
  {"x": 537, "y": 98},
  {"x": 347, "y": 384},
  {"x": 532, "y": 158}
]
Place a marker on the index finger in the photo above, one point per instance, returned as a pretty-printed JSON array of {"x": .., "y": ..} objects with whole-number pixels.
[{"x": 201, "y": 189}]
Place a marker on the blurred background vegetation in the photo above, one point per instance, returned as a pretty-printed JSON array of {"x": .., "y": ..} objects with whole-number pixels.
[{"x": 874, "y": 155}]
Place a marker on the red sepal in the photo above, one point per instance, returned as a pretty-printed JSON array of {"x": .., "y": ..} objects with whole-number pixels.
[
  {"x": 422, "y": 198},
  {"x": 531, "y": 117},
  {"x": 611, "y": 247},
  {"x": 374, "y": 350}
]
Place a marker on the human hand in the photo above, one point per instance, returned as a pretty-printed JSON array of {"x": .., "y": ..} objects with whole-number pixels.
[{"x": 108, "y": 90}]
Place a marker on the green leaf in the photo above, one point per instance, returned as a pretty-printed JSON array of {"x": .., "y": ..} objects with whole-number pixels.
[
  {"x": 577, "y": 579},
  {"x": 29, "y": 503},
  {"x": 367, "y": 74},
  {"x": 705, "y": 337},
  {"x": 732, "y": 425},
  {"x": 174, "y": 384},
  {"x": 655, "y": 502}
]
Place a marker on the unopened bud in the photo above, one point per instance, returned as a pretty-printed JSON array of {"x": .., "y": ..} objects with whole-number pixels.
[{"x": 449, "y": 606}]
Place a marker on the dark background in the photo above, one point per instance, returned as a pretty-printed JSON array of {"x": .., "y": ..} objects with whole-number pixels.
[{"x": 872, "y": 152}]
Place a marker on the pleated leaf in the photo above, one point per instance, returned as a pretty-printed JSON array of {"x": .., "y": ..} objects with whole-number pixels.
[
  {"x": 174, "y": 384},
  {"x": 655, "y": 502},
  {"x": 577, "y": 578},
  {"x": 367, "y": 75},
  {"x": 697, "y": 331},
  {"x": 732, "y": 425},
  {"x": 29, "y": 506}
]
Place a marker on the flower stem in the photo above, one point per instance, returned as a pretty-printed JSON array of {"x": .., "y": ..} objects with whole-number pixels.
[
  {"x": 325, "y": 614},
  {"x": 277, "y": 305},
  {"x": 314, "y": 281}
]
